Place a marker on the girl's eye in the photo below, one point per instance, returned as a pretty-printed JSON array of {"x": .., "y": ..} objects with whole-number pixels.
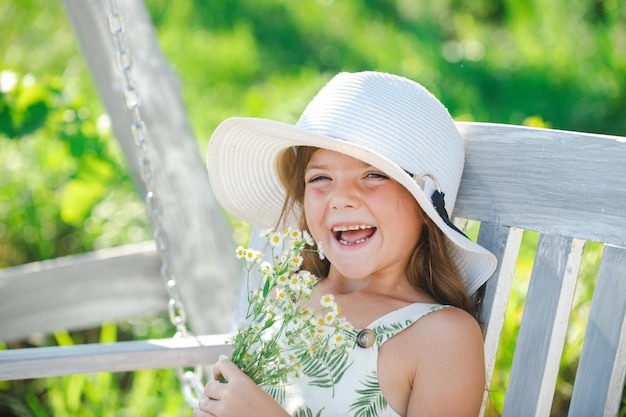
[
  {"x": 317, "y": 178},
  {"x": 377, "y": 175}
]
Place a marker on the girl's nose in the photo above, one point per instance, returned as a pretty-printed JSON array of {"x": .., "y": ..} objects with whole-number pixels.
[{"x": 344, "y": 196}]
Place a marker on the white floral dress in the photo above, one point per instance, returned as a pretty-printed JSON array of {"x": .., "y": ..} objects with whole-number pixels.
[{"x": 347, "y": 385}]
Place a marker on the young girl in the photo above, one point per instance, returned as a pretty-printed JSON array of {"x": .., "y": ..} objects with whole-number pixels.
[{"x": 370, "y": 170}]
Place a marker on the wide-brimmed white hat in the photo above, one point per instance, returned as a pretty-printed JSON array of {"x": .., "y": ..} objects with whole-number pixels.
[{"x": 387, "y": 121}]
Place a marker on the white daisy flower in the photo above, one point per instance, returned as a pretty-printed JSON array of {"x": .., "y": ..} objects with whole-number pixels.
[
  {"x": 294, "y": 284},
  {"x": 240, "y": 252},
  {"x": 265, "y": 267},
  {"x": 320, "y": 251},
  {"x": 275, "y": 239},
  {"x": 327, "y": 300},
  {"x": 253, "y": 256},
  {"x": 295, "y": 235},
  {"x": 295, "y": 262},
  {"x": 308, "y": 239}
]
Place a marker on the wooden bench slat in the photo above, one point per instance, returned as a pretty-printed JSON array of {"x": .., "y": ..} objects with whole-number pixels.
[
  {"x": 505, "y": 245},
  {"x": 80, "y": 291},
  {"x": 544, "y": 326},
  {"x": 114, "y": 357},
  {"x": 533, "y": 178},
  {"x": 599, "y": 380}
]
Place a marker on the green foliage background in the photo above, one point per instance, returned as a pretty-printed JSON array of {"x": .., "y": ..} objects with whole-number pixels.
[{"x": 65, "y": 187}]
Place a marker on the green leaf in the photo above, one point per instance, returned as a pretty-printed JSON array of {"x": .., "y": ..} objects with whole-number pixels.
[
  {"x": 33, "y": 117},
  {"x": 307, "y": 412},
  {"x": 326, "y": 368},
  {"x": 370, "y": 402},
  {"x": 267, "y": 287},
  {"x": 79, "y": 197},
  {"x": 385, "y": 331},
  {"x": 277, "y": 392},
  {"x": 269, "y": 323}
]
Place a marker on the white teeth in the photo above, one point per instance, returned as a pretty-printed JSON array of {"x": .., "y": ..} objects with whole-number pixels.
[
  {"x": 356, "y": 242},
  {"x": 347, "y": 228}
]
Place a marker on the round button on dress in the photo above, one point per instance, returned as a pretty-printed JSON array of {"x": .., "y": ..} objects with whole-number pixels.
[{"x": 365, "y": 338}]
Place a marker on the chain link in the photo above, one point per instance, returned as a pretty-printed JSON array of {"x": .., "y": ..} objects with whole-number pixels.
[{"x": 190, "y": 381}]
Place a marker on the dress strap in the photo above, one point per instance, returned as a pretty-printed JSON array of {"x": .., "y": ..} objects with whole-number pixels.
[{"x": 395, "y": 321}]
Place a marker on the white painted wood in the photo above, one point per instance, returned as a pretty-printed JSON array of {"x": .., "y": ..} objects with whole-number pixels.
[
  {"x": 567, "y": 183},
  {"x": 80, "y": 291},
  {"x": 543, "y": 328},
  {"x": 563, "y": 183},
  {"x": 600, "y": 378},
  {"x": 201, "y": 244},
  {"x": 505, "y": 244},
  {"x": 618, "y": 376},
  {"x": 114, "y": 357},
  {"x": 561, "y": 321}
]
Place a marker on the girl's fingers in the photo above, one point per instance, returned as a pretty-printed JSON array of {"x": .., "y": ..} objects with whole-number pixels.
[
  {"x": 220, "y": 396},
  {"x": 203, "y": 405},
  {"x": 199, "y": 412},
  {"x": 211, "y": 390},
  {"x": 224, "y": 368}
]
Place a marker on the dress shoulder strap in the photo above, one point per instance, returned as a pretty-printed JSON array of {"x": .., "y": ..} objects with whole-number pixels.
[{"x": 395, "y": 321}]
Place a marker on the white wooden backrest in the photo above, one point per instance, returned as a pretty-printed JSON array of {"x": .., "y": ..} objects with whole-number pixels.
[{"x": 571, "y": 188}]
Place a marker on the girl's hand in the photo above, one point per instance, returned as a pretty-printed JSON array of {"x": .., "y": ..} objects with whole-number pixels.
[{"x": 238, "y": 397}]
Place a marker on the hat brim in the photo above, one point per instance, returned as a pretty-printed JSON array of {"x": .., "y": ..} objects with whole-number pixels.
[{"x": 241, "y": 162}]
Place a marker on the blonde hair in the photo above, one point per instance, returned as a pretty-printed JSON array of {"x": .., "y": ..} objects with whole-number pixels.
[{"x": 430, "y": 268}]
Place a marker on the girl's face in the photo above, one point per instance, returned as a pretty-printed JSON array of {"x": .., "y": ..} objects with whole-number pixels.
[{"x": 367, "y": 223}]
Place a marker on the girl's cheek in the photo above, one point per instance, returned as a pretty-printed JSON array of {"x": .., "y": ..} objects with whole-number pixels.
[{"x": 313, "y": 221}]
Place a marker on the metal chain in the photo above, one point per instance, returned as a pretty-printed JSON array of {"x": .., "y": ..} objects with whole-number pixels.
[{"x": 190, "y": 380}]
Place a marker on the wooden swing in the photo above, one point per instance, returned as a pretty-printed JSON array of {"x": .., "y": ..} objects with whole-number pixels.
[
  {"x": 570, "y": 187},
  {"x": 192, "y": 237}
]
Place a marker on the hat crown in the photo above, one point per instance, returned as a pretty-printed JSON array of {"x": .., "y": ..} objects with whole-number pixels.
[{"x": 394, "y": 117}]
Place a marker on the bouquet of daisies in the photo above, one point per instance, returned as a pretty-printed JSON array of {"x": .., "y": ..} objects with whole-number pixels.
[{"x": 282, "y": 335}]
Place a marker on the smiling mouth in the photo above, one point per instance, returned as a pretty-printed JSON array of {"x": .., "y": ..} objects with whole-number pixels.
[{"x": 353, "y": 235}]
